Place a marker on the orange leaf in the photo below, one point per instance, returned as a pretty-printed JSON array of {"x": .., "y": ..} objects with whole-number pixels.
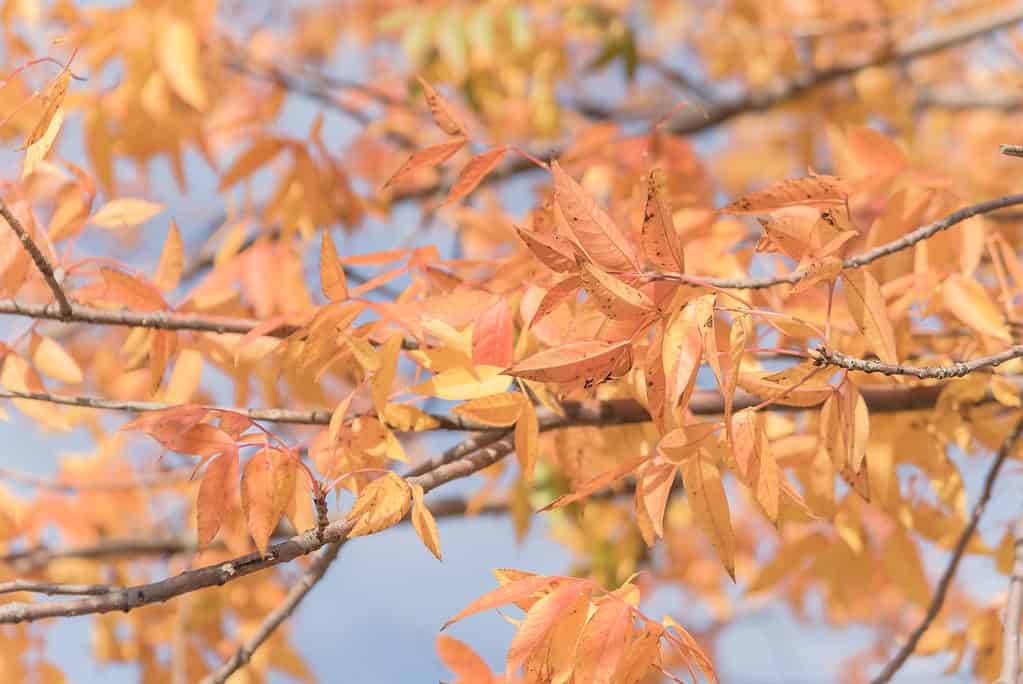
[
  {"x": 497, "y": 410},
  {"x": 493, "y": 335},
  {"x": 510, "y": 592},
  {"x": 653, "y": 486},
  {"x": 602, "y": 642},
  {"x": 36, "y": 152},
  {"x": 561, "y": 291},
  {"x": 812, "y": 191},
  {"x": 595, "y": 484},
  {"x": 132, "y": 292},
  {"x": 473, "y": 173},
  {"x": 594, "y": 231},
  {"x": 184, "y": 380},
  {"x": 463, "y": 661},
  {"x": 258, "y": 499},
  {"x": 444, "y": 114},
  {"x": 541, "y": 617},
  {"x": 755, "y": 462},
  {"x": 660, "y": 239},
  {"x": 383, "y": 379},
  {"x": 216, "y": 492},
  {"x": 177, "y": 53},
  {"x": 788, "y": 387},
  {"x": 333, "y": 280},
  {"x": 120, "y": 213},
  {"x": 427, "y": 157},
  {"x": 615, "y": 298},
  {"x": 382, "y": 503},
  {"x": 172, "y": 260},
  {"x": 52, "y": 99},
  {"x": 251, "y": 160},
  {"x": 53, "y": 360},
  {"x": 17, "y": 375},
  {"x": 969, "y": 302},
  {"x": 866, "y": 304},
  {"x": 527, "y": 438},
  {"x": 554, "y": 251},
  {"x": 423, "y": 522},
  {"x": 591, "y": 361},
  {"x": 706, "y": 496}
]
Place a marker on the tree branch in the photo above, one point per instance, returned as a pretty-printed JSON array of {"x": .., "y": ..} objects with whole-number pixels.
[
  {"x": 52, "y": 588},
  {"x": 1013, "y": 615},
  {"x": 825, "y": 357},
  {"x": 957, "y": 554},
  {"x": 278, "y": 615},
  {"x": 40, "y": 260}
]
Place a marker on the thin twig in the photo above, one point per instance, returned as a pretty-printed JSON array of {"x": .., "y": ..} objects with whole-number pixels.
[
  {"x": 826, "y": 357},
  {"x": 1011, "y": 150},
  {"x": 278, "y": 615},
  {"x": 957, "y": 554},
  {"x": 55, "y": 589},
  {"x": 40, "y": 260},
  {"x": 1013, "y": 614}
]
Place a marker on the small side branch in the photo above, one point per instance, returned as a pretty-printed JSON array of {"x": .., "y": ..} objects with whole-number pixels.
[
  {"x": 938, "y": 600},
  {"x": 1013, "y": 615},
  {"x": 40, "y": 260},
  {"x": 825, "y": 357},
  {"x": 278, "y": 615},
  {"x": 55, "y": 589}
]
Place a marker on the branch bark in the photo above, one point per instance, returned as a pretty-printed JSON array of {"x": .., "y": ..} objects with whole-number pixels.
[
  {"x": 825, "y": 357},
  {"x": 40, "y": 260},
  {"x": 938, "y": 600},
  {"x": 54, "y": 588},
  {"x": 1013, "y": 615}
]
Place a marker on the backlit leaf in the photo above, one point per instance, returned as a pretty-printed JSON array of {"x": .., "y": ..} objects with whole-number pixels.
[
  {"x": 552, "y": 249},
  {"x": 527, "y": 438},
  {"x": 497, "y": 410},
  {"x": 177, "y": 51},
  {"x": 866, "y": 304},
  {"x": 493, "y": 335},
  {"x": 473, "y": 173},
  {"x": 812, "y": 191},
  {"x": 461, "y": 383},
  {"x": 510, "y": 592},
  {"x": 172, "y": 260},
  {"x": 423, "y": 522},
  {"x": 381, "y": 504},
  {"x": 589, "y": 361},
  {"x": 706, "y": 496},
  {"x": 333, "y": 281},
  {"x": 120, "y": 213},
  {"x": 427, "y": 157},
  {"x": 661, "y": 243},
  {"x": 444, "y": 114}
]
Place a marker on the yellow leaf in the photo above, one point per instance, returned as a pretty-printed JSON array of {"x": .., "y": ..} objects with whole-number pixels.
[
  {"x": 51, "y": 358},
  {"x": 120, "y": 213},
  {"x": 1005, "y": 391},
  {"x": 365, "y": 353},
  {"x": 337, "y": 418},
  {"x": 177, "y": 52},
  {"x": 251, "y": 160},
  {"x": 461, "y": 383},
  {"x": 866, "y": 304},
  {"x": 52, "y": 100},
  {"x": 172, "y": 259},
  {"x": 36, "y": 152},
  {"x": 614, "y": 297},
  {"x": 381, "y": 504},
  {"x": 588, "y": 362},
  {"x": 497, "y": 410},
  {"x": 333, "y": 281},
  {"x": 408, "y": 418},
  {"x": 258, "y": 499},
  {"x": 969, "y": 302},
  {"x": 185, "y": 378},
  {"x": 423, "y": 522},
  {"x": 17, "y": 375},
  {"x": 527, "y": 438},
  {"x": 707, "y": 500},
  {"x": 384, "y": 377}
]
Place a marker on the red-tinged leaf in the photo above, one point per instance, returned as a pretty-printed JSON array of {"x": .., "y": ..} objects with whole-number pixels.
[
  {"x": 216, "y": 494},
  {"x": 473, "y": 173},
  {"x": 866, "y": 304},
  {"x": 541, "y": 617},
  {"x": 251, "y": 160},
  {"x": 496, "y": 410},
  {"x": 381, "y": 504},
  {"x": 203, "y": 439},
  {"x": 615, "y": 298},
  {"x": 812, "y": 191},
  {"x": 527, "y": 439},
  {"x": 258, "y": 499},
  {"x": 427, "y": 157},
  {"x": 554, "y": 251},
  {"x": 594, "y": 231},
  {"x": 172, "y": 260},
  {"x": 444, "y": 114},
  {"x": 588, "y": 363},
  {"x": 602, "y": 642},
  {"x": 424, "y": 523},
  {"x": 660, "y": 239},
  {"x": 493, "y": 335},
  {"x": 593, "y": 485},
  {"x": 333, "y": 280},
  {"x": 511, "y": 592},
  {"x": 562, "y": 291},
  {"x": 706, "y": 496},
  {"x": 463, "y": 661},
  {"x": 653, "y": 486}
]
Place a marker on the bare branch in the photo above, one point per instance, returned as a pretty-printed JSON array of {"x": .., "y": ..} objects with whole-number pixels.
[
  {"x": 1013, "y": 615},
  {"x": 957, "y": 554},
  {"x": 1011, "y": 150},
  {"x": 40, "y": 260},
  {"x": 825, "y": 357},
  {"x": 52, "y": 588},
  {"x": 278, "y": 615}
]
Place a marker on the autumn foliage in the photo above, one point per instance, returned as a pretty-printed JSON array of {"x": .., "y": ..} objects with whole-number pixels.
[{"x": 724, "y": 297}]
